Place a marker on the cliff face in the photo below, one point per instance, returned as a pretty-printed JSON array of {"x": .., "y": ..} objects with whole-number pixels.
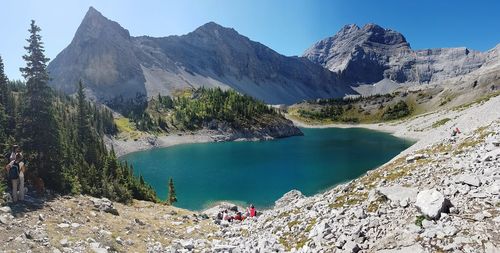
[
  {"x": 112, "y": 63},
  {"x": 370, "y": 54}
]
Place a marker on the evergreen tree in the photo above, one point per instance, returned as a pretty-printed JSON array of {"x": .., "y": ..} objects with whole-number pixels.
[
  {"x": 3, "y": 103},
  {"x": 39, "y": 128},
  {"x": 172, "y": 198},
  {"x": 3, "y": 84},
  {"x": 85, "y": 133}
]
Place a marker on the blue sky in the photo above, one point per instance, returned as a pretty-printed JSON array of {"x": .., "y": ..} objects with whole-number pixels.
[{"x": 287, "y": 26}]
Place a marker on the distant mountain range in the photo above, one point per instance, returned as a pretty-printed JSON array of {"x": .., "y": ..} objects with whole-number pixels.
[{"x": 112, "y": 63}]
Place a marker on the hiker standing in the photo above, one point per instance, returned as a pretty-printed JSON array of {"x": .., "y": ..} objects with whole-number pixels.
[
  {"x": 15, "y": 171},
  {"x": 15, "y": 149},
  {"x": 251, "y": 210}
]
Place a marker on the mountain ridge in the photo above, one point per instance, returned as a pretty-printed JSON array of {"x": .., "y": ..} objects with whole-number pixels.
[
  {"x": 372, "y": 53},
  {"x": 112, "y": 63}
]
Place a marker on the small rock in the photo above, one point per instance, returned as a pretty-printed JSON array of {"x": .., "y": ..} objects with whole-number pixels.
[
  {"x": 41, "y": 217},
  {"x": 351, "y": 246},
  {"x": 64, "y": 242},
  {"x": 119, "y": 240},
  {"x": 340, "y": 242},
  {"x": 427, "y": 224},
  {"x": 450, "y": 230},
  {"x": 187, "y": 244},
  {"x": 360, "y": 213},
  {"x": 5, "y": 209},
  {"x": 494, "y": 188},
  {"x": 471, "y": 180},
  {"x": 63, "y": 225},
  {"x": 479, "y": 216},
  {"x": 96, "y": 247},
  {"x": 4, "y": 219},
  {"x": 139, "y": 222},
  {"x": 189, "y": 230},
  {"x": 415, "y": 157},
  {"x": 403, "y": 203},
  {"x": 36, "y": 234}
]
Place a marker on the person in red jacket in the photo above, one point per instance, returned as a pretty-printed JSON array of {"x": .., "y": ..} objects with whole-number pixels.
[{"x": 251, "y": 211}]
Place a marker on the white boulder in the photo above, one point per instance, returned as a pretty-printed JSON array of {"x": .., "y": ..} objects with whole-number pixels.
[{"x": 432, "y": 203}]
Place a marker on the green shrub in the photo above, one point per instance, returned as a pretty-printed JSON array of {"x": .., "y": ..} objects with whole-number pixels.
[
  {"x": 419, "y": 220},
  {"x": 3, "y": 187}
]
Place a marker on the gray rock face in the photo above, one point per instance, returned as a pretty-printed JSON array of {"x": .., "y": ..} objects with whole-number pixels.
[
  {"x": 112, "y": 63},
  {"x": 467, "y": 179},
  {"x": 101, "y": 55},
  {"x": 399, "y": 194},
  {"x": 370, "y": 54}
]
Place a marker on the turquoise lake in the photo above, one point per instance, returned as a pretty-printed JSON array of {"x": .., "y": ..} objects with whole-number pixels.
[{"x": 261, "y": 172}]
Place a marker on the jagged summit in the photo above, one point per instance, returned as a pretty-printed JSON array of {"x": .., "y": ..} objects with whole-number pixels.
[
  {"x": 101, "y": 54},
  {"x": 93, "y": 12},
  {"x": 95, "y": 25}
]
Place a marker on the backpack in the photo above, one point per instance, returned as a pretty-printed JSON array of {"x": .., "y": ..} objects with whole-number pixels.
[{"x": 14, "y": 171}]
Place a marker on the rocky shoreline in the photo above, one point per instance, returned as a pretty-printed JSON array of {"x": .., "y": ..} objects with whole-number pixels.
[
  {"x": 215, "y": 132},
  {"x": 446, "y": 198}
]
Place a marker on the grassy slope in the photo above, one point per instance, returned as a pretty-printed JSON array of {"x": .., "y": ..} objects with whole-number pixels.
[{"x": 420, "y": 102}]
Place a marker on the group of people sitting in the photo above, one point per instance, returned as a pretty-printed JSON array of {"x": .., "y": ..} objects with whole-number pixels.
[
  {"x": 15, "y": 170},
  {"x": 224, "y": 215}
]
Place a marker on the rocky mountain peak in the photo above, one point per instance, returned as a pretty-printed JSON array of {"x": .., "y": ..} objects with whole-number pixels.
[
  {"x": 214, "y": 30},
  {"x": 94, "y": 26},
  {"x": 100, "y": 54},
  {"x": 378, "y": 34}
]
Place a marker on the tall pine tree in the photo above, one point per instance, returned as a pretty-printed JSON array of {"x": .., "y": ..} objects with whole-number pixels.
[
  {"x": 4, "y": 94},
  {"x": 86, "y": 136},
  {"x": 39, "y": 129},
  {"x": 172, "y": 198}
]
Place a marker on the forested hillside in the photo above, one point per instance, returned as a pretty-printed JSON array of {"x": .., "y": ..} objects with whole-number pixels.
[
  {"x": 61, "y": 136},
  {"x": 199, "y": 108}
]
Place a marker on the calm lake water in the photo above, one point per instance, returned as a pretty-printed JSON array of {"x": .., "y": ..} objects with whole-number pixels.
[{"x": 261, "y": 172}]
